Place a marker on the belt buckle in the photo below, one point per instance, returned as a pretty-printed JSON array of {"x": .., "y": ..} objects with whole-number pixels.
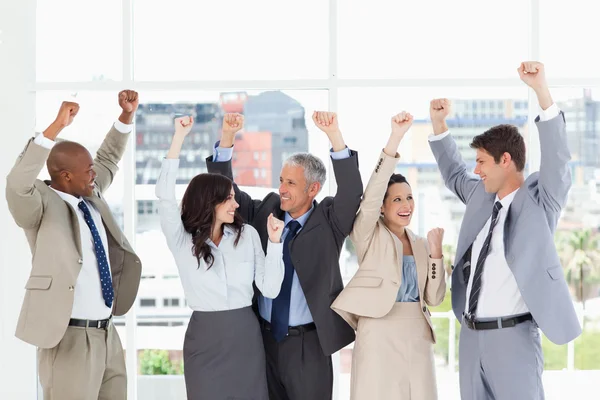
[{"x": 470, "y": 321}]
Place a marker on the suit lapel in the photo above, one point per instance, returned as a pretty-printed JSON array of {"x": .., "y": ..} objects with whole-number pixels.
[
  {"x": 512, "y": 216},
  {"x": 107, "y": 218},
  {"x": 473, "y": 222}
]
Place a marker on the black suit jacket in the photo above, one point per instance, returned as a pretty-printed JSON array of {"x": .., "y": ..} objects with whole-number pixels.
[{"x": 315, "y": 251}]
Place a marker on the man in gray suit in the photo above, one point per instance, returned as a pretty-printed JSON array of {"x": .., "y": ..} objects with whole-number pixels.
[{"x": 507, "y": 280}]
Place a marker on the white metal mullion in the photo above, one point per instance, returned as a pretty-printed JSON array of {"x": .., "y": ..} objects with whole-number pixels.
[
  {"x": 129, "y": 209},
  {"x": 308, "y": 84}
]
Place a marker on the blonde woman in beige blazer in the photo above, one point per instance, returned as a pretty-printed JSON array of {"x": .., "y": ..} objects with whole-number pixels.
[{"x": 400, "y": 275}]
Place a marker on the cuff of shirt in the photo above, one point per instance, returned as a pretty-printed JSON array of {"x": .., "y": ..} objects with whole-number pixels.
[
  {"x": 435, "y": 138},
  {"x": 123, "y": 128},
  {"x": 222, "y": 154},
  {"x": 549, "y": 113},
  {"x": 340, "y": 155},
  {"x": 43, "y": 141}
]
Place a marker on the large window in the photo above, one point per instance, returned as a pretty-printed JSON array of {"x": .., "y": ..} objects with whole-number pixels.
[{"x": 277, "y": 62}]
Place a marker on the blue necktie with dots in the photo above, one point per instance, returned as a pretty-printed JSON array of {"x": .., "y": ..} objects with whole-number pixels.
[{"x": 105, "y": 280}]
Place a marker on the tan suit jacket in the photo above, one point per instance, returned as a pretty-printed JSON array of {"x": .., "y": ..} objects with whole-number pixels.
[
  {"x": 373, "y": 290},
  {"x": 52, "y": 230}
]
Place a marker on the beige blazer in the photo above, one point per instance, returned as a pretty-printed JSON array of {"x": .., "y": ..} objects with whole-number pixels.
[
  {"x": 52, "y": 230},
  {"x": 373, "y": 289}
]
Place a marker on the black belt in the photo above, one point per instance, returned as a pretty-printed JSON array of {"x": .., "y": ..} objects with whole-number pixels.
[
  {"x": 499, "y": 323},
  {"x": 292, "y": 330},
  {"x": 88, "y": 323}
]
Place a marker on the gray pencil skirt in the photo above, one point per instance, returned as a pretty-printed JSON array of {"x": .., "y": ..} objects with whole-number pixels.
[{"x": 224, "y": 356}]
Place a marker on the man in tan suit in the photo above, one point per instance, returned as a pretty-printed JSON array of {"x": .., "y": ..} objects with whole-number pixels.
[{"x": 84, "y": 270}]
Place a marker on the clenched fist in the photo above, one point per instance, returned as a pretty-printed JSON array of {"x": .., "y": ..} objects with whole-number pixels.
[
  {"x": 183, "y": 125},
  {"x": 533, "y": 74},
  {"x": 434, "y": 238},
  {"x": 232, "y": 123},
  {"x": 439, "y": 109},
  {"x": 128, "y": 101},
  {"x": 66, "y": 114},
  {"x": 326, "y": 121},
  {"x": 401, "y": 123},
  {"x": 274, "y": 228}
]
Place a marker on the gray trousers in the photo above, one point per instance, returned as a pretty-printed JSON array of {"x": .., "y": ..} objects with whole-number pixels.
[
  {"x": 501, "y": 364},
  {"x": 297, "y": 369}
]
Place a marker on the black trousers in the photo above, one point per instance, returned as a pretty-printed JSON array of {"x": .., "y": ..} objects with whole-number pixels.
[{"x": 297, "y": 369}]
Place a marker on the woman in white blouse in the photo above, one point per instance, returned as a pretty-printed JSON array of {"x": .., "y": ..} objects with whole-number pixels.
[{"x": 219, "y": 259}]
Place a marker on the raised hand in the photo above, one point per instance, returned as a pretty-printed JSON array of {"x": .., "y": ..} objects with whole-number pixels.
[
  {"x": 326, "y": 121},
  {"x": 128, "y": 101},
  {"x": 232, "y": 123},
  {"x": 533, "y": 74},
  {"x": 183, "y": 125},
  {"x": 439, "y": 109},
  {"x": 435, "y": 238},
  {"x": 401, "y": 123},
  {"x": 66, "y": 114},
  {"x": 274, "y": 228}
]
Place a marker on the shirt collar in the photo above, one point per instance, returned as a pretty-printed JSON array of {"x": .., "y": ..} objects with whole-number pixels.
[
  {"x": 72, "y": 200},
  {"x": 507, "y": 200},
  {"x": 301, "y": 219}
]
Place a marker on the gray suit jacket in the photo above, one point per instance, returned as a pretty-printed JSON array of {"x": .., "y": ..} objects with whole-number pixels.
[{"x": 528, "y": 231}]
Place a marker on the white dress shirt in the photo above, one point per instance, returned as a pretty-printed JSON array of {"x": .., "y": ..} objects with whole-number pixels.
[
  {"x": 227, "y": 285},
  {"x": 88, "y": 301},
  {"x": 500, "y": 295}
]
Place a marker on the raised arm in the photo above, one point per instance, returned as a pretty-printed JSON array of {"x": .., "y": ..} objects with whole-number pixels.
[
  {"x": 168, "y": 209},
  {"x": 113, "y": 147},
  {"x": 555, "y": 176},
  {"x": 24, "y": 200},
  {"x": 346, "y": 201},
  {"x": 269, "y": 271},
  {"x": 370, "y": 206},
  {"x": 220, "y": 163},
  {"x": 450, "y": 163}
]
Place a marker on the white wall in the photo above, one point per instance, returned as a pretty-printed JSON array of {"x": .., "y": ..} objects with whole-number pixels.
[{"x": 17, "y": 116}]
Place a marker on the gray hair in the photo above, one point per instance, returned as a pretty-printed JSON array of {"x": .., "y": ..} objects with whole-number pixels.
[{"x": 314, "y": 169}]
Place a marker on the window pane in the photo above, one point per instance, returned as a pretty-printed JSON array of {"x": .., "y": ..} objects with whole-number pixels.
[
  {"x": 270, "y": 119},
  {"x": 79, "y": 40},
  {"x": 433, "y": 39},
  {"x": 236, "y": 39},
  {"x": 568, "y": 38}
]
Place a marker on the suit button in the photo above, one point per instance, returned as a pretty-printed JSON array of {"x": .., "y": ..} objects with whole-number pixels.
[
  {"x": 424, "y": 309},
  {"x": 80, "y": 261},
  {"x": 433, "y": 268},
  {"x": 71, "y": 288},
  {"x": 433, "y": 265},
  {"x": 433, "y": 277}
]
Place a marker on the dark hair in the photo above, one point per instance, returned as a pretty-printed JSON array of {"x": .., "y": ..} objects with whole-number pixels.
[
  {"x": 203, "y": 194},
  {"x": 502, "y": 139},
  {"x": 395, "y": 178}
]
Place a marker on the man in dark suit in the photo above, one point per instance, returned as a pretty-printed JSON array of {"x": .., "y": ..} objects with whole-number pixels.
[{"x": 300, "y": 331}]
